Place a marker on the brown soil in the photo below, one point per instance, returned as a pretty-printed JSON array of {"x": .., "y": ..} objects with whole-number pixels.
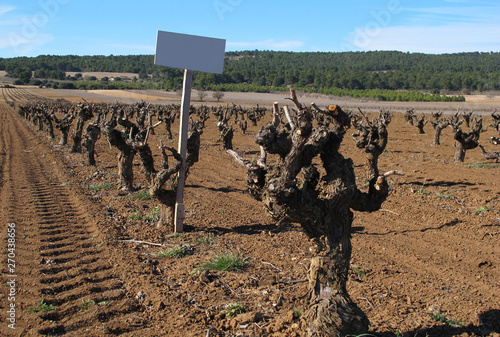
[{"x": 432, "y": 249}]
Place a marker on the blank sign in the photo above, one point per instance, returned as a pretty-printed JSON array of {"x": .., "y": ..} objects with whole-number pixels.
[{"x": 190, "y": 52}]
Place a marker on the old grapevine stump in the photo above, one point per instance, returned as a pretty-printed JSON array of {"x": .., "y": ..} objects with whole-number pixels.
[{"x": 321, "y": 204}]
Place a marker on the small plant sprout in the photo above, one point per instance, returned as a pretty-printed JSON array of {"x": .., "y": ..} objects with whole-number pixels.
[
  {"x": 483, "y": 209},
  {"x": 233, "y": 309},
  {"x": 86, "y": 305},
  {"x": 297, "y": 313},
  {"x": 135, "y": 216},
  {"x": 442, "y": 318},
  {"x": 175, "y": 236},
  {"x": 443, "y": 196},
  {"x": 360, "y": 272},
  {"x": 154, "y": 214},
  {"x": 422, "y": 191},
  {"x": 206, "y": 239},
  {"x": 41, "y": 306}
]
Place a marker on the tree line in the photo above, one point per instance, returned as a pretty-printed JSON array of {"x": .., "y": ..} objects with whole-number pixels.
[{"x": 365, "y": 74}]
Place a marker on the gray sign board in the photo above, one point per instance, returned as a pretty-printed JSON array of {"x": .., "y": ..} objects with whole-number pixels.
[{"x": 190, "y": 52}]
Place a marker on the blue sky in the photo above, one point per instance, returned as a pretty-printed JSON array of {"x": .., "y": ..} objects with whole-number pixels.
[{"x": 90, "y": 27}]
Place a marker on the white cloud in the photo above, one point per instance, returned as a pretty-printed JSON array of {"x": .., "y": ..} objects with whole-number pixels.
[
  {"x": 5, "y": 9},
  {"x": 454, "y": 13},
  {"x": 270, "y": 44},
  {"x": 20, "y": 45},
  {"x": 20, "y": 35},
  {"x": 450, "y": 38}
]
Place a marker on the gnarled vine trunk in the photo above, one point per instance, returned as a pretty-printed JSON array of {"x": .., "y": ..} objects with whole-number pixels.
[
  {"x": 92, "y": 134},
  {"x": 64, "y": 125},
  {"x": 322, "y": 205},
  {"x": 125, "y": 169},
  {"x": 372, "y": 136},
  {"x": 164, "y": 183},
  {"x": 83, "y": 115},
  {"x": 466, "y": 141},
  {"x": 126, "y": 155}
]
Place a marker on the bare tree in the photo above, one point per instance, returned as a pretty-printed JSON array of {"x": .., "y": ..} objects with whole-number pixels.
[
  {"x": 218, "y": 95},
  {"x": 202, "y": 94}
]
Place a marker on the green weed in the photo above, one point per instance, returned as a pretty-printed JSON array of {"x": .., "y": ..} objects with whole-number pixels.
[
  {"x": 421, "y": 191},
  {"x": 134, "y": 216},
  {"x": 175, "y": 236},
  {"x": 361, "y": 273},
  {"x": 41, "y": 306},
  {"x": 233, "y": 309},
  {"x": 101, "y": 187},
  {"x": 141, "y": 196},
  {"x": 86, "y": 305},
  {"x": 483, "y": 209},
  {"x": 297, "y": 313},
  {"x": 178, "y": 251},
  {"x": 153, "y": 215},
  {"x": 447, "y": 196},
  {"x": 442, "y": 318},
  {"x": 226, "y": 262},
  {"x": 483, "y": 165},
  {"x": 206, "y": 239}
]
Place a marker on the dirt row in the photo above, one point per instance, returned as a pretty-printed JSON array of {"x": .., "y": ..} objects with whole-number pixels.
[{"x": 58, "y": 258}]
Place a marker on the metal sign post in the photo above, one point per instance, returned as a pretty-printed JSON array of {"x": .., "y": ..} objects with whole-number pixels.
[{"x": 188, "y": 52}]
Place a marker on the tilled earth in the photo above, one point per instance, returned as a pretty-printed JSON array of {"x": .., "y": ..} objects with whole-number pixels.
[{"x": 426, "y": 264}]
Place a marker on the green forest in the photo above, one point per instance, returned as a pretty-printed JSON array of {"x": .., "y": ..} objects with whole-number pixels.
[{"x": 382, "y": 75}]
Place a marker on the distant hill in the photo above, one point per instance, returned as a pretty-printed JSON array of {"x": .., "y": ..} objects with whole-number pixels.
[{"x": 330, "y": 73}]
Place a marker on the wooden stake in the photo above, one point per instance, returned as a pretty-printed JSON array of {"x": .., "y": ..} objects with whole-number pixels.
[
  {"x": 183, "y": 131},
  {"x": 289, "y": 117}
]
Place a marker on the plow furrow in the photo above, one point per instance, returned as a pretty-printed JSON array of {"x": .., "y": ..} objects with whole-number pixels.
[{"x": 64, "y": 281}]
